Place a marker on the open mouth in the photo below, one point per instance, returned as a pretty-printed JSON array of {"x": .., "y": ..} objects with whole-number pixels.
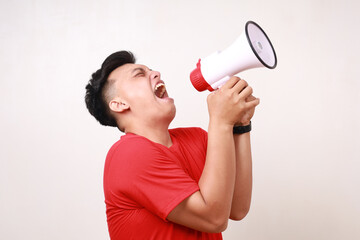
[{"x": 160, "y": 90}]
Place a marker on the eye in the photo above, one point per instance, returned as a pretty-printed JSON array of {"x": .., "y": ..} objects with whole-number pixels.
[{"x": 140, "y": 73}]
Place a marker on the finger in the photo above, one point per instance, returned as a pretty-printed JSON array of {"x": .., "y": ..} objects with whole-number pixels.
[
  {"x": 240, "y": 85},
  {"x": 252, "y": 103},
  {"x": 231, "y": 83},
  {"x": 249, "y": 98},
  {"x": 246, "y": 92}
]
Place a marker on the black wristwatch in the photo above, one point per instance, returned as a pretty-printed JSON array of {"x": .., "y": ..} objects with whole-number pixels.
[{"x": 242, "y": 129}]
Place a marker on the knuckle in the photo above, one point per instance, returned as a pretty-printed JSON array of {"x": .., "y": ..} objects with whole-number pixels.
[
  {"x": 221, "y": 90},
  {"x": 245, "y": 83},
  {"x": 231, "y": 96}
]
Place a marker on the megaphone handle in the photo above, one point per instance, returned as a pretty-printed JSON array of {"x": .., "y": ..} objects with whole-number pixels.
[{"x": 220, "y": 83}]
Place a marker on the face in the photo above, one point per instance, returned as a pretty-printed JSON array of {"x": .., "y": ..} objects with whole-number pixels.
[{"x": 144, "y": 94}]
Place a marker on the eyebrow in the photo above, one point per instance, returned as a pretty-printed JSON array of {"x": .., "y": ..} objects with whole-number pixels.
[
  {"x": 142, "y": 69},
  {"x": 139, "y": 69}
]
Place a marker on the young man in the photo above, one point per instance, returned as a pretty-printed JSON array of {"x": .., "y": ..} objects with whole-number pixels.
[{"x": 180, "y": 183}]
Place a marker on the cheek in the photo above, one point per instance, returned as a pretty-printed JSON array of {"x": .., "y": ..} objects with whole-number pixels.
[
  {"x": 135, "y": 90},
  {"x": 138, "y": 95}
]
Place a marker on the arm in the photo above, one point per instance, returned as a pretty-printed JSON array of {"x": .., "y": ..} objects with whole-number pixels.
[
  {"x": 243, "y": 180},
  {"x": 208, "y": 210}
]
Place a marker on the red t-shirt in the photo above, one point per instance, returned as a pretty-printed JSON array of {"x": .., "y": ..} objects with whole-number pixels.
[{"x": 144, "y": 181}]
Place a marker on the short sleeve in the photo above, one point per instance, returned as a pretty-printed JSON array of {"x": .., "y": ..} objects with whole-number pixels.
[{"x": 150, "y": 175}]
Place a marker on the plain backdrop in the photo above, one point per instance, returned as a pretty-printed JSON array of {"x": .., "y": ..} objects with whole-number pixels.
[{"x": 305, "y": 137}]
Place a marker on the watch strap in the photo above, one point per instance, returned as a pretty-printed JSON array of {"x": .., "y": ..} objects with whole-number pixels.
[{"x": 241, "y": 129}]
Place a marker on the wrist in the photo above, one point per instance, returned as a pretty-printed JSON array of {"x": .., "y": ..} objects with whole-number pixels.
[
  {"x": 245, "y": 123},
  {"x": 222, "y": 126},
  {"x": 240, "y": 129}
]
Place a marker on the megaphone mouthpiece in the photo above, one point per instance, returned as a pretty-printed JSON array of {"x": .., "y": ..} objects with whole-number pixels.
[{"x": 198, "y": 80}]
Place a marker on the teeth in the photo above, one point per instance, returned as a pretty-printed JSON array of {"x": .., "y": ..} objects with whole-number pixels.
[
  {"x": 160, "y": 90},
  {"x": 159, "y": 85}
]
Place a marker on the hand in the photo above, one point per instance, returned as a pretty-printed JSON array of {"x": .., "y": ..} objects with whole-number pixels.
[
  {"x": 231, "y": 102},
  {"x": 245, "y": 120}
]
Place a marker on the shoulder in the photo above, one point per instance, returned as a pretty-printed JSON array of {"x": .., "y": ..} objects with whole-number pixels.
[
  {"x": 127, "y": 144},
  {"x": 130, "y": 141},
  {"x": 132, "y": 151}
]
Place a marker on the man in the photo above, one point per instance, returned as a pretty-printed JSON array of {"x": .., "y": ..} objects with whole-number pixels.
[{"x": 180, "y": 183}]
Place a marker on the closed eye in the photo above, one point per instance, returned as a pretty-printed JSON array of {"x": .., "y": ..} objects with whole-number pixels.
[{"x": 139, "y": 72}]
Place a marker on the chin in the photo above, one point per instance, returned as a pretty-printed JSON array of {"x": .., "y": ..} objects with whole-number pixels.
[
  {"x": 172, "y": 114},
  {"x": 165, "y": 113}
]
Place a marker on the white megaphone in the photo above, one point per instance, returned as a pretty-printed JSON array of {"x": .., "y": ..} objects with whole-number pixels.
[{"x": 251, "y": 50}]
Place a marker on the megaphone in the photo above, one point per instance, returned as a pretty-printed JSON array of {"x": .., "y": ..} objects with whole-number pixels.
[{"x": 252, "y": 49}]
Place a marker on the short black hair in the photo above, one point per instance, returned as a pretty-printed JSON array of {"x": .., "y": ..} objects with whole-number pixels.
[{"x": 95, "y": 96}]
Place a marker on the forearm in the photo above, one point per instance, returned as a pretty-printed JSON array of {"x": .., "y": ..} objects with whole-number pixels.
[
  {"x": 218, "y": 178},
  {"x": 243, "y": 180}
]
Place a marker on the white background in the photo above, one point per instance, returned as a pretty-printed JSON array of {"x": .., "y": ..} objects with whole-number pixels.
[{"x": 305, "y": 137}]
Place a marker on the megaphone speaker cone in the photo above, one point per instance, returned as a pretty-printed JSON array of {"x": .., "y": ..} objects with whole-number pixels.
[{"x": 260, "y": 44}]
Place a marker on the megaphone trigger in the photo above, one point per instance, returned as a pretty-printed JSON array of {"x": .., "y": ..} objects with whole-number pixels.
[{"x": 220, "y": 83}]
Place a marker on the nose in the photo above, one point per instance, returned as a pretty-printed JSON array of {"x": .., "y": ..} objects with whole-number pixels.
[{"x": 155, "y": 75}]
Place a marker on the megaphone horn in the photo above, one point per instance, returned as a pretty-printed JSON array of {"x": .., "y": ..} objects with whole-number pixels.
[{"x": 251, "y": 49}]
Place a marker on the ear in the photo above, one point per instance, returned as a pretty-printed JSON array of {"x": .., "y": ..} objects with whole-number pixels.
[{"x": 118, "y": 105}]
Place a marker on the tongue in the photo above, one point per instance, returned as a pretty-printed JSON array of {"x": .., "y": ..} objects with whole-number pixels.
[{"x": 159, "y": 92}]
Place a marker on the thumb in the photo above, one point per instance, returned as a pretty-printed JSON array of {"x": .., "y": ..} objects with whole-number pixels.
[
  {"x": 250, "y": 98},
  {"x": 253, "y": 103}
]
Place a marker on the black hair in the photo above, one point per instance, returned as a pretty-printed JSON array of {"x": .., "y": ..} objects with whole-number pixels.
[{"x": 95, "y": 96}]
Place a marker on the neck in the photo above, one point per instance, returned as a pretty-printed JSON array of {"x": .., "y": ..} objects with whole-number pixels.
[{"x": 158, "y": 134}]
